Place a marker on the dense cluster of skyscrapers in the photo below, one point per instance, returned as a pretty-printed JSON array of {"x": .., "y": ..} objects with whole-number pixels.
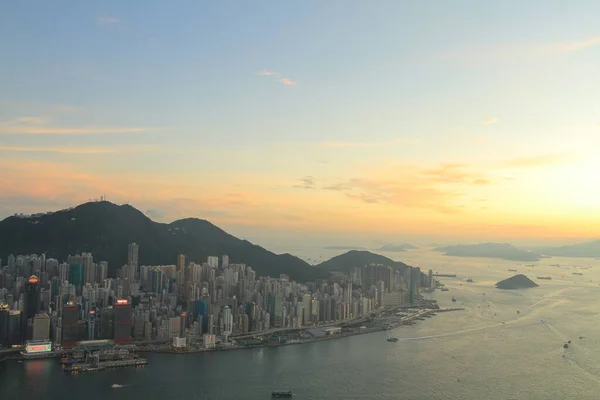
[{"x": 66, "y": 302}]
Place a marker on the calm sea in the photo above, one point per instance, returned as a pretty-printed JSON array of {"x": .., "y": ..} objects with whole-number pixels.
[{"x": 488, "y": 351}]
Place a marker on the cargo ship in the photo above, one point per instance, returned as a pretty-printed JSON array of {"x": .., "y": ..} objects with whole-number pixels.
[
  {"x": 282, "y": 394},
  {"x": 545, "y": 277}
]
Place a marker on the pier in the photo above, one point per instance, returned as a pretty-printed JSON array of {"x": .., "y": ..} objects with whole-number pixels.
[{"x": 102, "y": 365}]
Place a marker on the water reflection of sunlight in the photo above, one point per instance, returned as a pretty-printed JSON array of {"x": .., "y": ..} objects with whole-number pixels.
[{"x": 37, "y": 372}]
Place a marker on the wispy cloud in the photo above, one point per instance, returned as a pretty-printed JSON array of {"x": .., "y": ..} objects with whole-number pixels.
[
  {"x": 114, "y": 22},
  {"x": 349, "y": 144},
  {"x": 519, "y": 52},
  {"x": 276, "y": 75},
  {"x": 27, "y": 121},
  {"x": 490, "y": 121},
  {"x": 287, "y": 82},
  {"x": 266, "y": 72},
  {"x": 308, "y": 182},
  {"x": 82, "y": 150},
  {"x": 9, "y": 129},
  {"x": 569, "y": 46},
  {"x": 107, "y": 20},
  {"x": 435, "y": 188},
  {"x": 537, "y": 161}
]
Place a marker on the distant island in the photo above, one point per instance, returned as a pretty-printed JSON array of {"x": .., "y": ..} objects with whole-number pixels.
[
  {"x": 345, "y": 248},
  {"x": 397, "y": 247},
  {"x": 504, "y": 251},
  {"x": 586, "y": 249},
  {"x": 516, "y": 282},
  {"x": 357, "y": 259}
]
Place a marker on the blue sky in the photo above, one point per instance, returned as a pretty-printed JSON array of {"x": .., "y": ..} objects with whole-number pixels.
[{"x": 183, "y": 106}]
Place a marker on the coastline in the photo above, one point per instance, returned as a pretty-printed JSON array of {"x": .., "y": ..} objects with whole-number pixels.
[{"x": 380, "y": 327}]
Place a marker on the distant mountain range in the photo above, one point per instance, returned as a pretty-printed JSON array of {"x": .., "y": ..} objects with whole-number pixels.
[
  {"x": 345, "y": 248},
  {"x": 385, "y": 247},
  {"x": 105, "y": 229},
  {"x": 357, "y": 258},
  {"x": 397, "y": 247},
  {"x": 586, "y": 249},
  {"x": 504, "y": 251}
]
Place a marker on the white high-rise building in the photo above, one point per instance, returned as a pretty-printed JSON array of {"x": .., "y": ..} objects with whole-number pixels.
[
  {"x": 224, "y": 261},
  {"x": 227, "y": 321},
  {"x": 89, "y": 270},
  {"x": 213, "y": 261},
  {"x": 132, "y": 258}
]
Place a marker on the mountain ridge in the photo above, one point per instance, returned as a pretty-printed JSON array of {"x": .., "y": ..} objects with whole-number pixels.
[
  {"x": 346, "y": 262},
  {"x": 584, "y": 249},
  {"x": 105, "y": 229},
  {"x": 505, "y": 251}
]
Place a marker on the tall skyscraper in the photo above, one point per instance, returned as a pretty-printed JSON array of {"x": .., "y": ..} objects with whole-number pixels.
[
  {"x": 91, "y": 328},
  {"x": 70, "y": 328},
  {"x": 89, "y": 270},
  {"x": 132, "y": 258},
  {"x": 122, "y": 324},
  {"x": 32, "y": 297},
  {"x": 101, "y": 271},
  {"x": 76, "y": 275},
  {"x": 180, "y": 268},
  {"x": 4, "y": 313},
  {"x": 41, "y": 327},
  {"x": 227, "y": 321},
  {"x": 225, "y": 261},
  {"x": 213, "y": 261}
]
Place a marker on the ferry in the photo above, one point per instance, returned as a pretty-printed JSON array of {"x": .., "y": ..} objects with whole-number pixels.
[
  {"x": 470, "y": 280},
  {"x": 577, "y": 273},
  {"x": 282, "y": 394}
]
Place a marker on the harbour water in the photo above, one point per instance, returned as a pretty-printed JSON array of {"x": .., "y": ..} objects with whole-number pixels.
[{"x": 487, "y": 351}]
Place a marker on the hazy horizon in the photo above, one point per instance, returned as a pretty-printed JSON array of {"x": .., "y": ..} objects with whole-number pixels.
[
  {"x": 284, "y": 239},
  {"x": 338, "y": 123}
]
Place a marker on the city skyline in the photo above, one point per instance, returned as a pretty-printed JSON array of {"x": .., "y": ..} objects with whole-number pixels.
[
  {"x": 73, "y": 300},
  {"x": 311, "y": 121}
]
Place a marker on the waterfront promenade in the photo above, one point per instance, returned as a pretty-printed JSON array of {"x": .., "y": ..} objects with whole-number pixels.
[{"x": 382, "y": 320}]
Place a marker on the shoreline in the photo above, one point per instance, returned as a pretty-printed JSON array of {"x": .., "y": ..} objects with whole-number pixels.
[{"x": 381, "y": 328}]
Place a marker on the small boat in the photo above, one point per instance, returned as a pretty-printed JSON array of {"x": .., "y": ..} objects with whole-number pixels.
[
  {"x": 545, "y": 277},
  {"x": 445, "y": 289},
  {"x": 577, "y": 273},
  {"x": 566, "y": 345},
  {"x": 282, "y": 394},
  {"x": 453, "y": 299},
  {"x": 512, "y": 270},
  {"x": 392, "y": 339},
  {"x": 470, "y": 280}
]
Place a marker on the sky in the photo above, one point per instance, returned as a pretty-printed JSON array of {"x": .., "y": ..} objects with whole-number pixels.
[{"x": 320, "y": 121}]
